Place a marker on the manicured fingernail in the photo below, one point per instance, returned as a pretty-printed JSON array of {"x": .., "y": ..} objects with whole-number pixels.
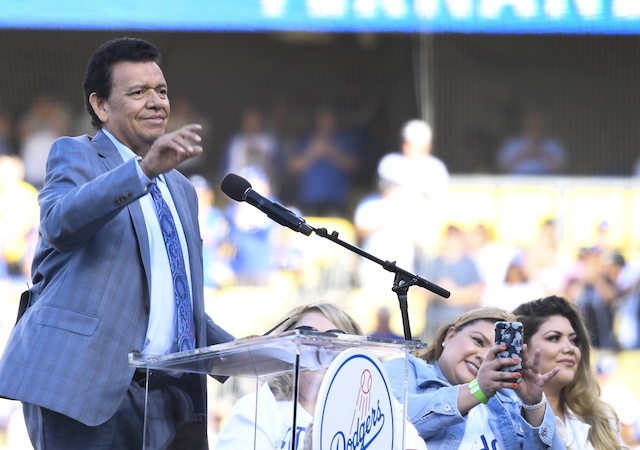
[
  {"x": 517, "y": 375},
  {"x": 515, "y": 360},
  {"x": 514, "y": 385}
]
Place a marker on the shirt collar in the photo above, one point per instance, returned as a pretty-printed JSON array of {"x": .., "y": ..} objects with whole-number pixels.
[{"x": 125, "y": 152}]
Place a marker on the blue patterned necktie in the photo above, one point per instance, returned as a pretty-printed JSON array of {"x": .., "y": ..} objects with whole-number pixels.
[{"x": 182, "y": 295}]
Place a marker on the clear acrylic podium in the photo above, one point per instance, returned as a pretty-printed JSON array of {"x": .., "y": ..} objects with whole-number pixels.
[{"x": 287, "y": 371}]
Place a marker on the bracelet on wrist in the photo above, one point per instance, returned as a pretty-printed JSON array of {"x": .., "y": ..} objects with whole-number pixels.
[
  {"x": 477, "y": 392},
  {"x": 538, "y": 405}
]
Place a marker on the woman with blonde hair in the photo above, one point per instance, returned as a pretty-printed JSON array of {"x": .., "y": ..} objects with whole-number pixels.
[
  {"x": 583, "y": 420},
  {"x": 459, "y": 398},
  {"x": 274, "y": 407},
  {"x": 282, "y": 386}
]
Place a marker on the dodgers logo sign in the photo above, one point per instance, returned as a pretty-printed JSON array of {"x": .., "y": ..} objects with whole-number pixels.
[{"x": 354, "y": 409}]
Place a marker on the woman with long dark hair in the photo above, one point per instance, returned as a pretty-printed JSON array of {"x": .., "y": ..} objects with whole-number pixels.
[{"x": 583, "y": 420}]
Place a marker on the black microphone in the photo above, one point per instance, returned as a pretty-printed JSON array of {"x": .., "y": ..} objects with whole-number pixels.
[{"x": 240, "y": 190}]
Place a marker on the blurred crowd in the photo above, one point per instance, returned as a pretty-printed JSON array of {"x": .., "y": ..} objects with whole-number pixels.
[
  {"x": 311, "y": 164},
  {"x": 312, "y": 170}
]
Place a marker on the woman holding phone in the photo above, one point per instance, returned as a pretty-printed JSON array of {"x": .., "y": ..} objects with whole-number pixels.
[
  {"x": 460, "y": 397},
  {"x": 583, "y": 420}
]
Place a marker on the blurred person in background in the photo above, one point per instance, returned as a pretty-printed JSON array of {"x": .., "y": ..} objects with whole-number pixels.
[
  {"x": 215, "y": 229},
  {"x": 253, "y": 145},
  {"x": 420, "y": 177},
  {"x": 401, "y": 221},
  {"x": 389, "y": 224},
  {"x": 627, "y": 319},
  {"x": 533, "y": 152},
  {"x": 6, "y": 129},
  {"x": 595, "y": 291},
  {"x": 258, "y": 245},
  {"x": 420, "y": 168},
  {"x": 516, "y": 286},
  {"x": 287, "y": 121},
  {"x": 545, "y": 260},
  {"x": 358, "y": 112},
  {"x": 19, "y": 214},
  {"x": 492, "y": 256},
  {"x": 456, "y": 271},
  {"x": 325, "y": 165},
  {"x": 625, "y": 281},
  {"x": 583, "y": 421},
  {"x": 116, "y": 223},
  {"x": 382, "y": 327},
  {"x": 45, "y": 121}
]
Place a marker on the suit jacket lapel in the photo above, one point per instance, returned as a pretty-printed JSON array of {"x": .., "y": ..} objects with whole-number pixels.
[{"x": 112, "y": 159}]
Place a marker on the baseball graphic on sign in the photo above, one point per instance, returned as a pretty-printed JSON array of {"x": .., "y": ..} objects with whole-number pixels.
[{"x": 355, "y": 407}]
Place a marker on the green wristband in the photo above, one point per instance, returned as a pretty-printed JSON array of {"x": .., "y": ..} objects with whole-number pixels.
[{"x": 477, "y": 393}]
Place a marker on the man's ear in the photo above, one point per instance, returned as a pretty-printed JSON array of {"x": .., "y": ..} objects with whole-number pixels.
[{"x": 98, "y": 106}]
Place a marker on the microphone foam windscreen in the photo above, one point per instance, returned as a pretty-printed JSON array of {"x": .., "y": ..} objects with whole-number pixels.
[{"x": 235, "y": 186}]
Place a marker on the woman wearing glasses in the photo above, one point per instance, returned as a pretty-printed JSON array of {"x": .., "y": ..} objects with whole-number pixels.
[{"x": 274, "y": 398}]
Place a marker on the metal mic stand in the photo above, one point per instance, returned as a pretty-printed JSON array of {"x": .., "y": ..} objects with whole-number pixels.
[{"x": 402, "y": 282}]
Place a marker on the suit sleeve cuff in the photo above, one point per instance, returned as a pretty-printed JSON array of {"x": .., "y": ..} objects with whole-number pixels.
[{"x": 144, "y": 180}]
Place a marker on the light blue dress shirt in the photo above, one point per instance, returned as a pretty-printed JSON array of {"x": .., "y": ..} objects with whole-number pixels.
[{"x": 161, "y": 332}]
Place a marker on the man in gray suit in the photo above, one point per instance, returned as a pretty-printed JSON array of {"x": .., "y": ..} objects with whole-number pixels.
[{"x": 103, "y": 283}]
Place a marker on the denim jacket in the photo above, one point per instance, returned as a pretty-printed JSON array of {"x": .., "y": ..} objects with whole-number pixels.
[{"x": 432, "y": 407}]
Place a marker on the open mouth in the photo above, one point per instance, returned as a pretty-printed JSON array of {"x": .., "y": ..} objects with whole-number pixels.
[{"x": 472, "y": 367}]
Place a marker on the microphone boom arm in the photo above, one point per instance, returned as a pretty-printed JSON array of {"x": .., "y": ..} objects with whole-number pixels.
[
  {"x": 240, "y": 190},
  {"x": 403, "y": 279}
]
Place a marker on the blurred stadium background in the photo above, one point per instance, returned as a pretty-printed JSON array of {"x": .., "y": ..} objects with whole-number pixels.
[{"x": 471, "y": 68}]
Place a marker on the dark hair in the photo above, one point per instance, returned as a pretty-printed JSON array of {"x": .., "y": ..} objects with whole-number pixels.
[
  {"x": 534, "y": 313},
  {"x": 98, "y": 76},
  {"x": 582, "y": 395}
]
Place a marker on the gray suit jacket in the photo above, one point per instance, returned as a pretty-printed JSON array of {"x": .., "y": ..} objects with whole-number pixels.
[{"x": 91, "y": 272}]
